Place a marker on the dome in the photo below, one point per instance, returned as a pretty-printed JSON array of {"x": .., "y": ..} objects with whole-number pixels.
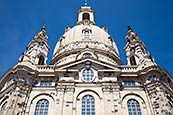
[{"x": 86, "y": 34}]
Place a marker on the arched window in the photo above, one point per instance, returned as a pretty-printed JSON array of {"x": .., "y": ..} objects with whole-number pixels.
[
  {"x": 88, "y": 105},
  {"x": 86, "y": 16},
  {"x": 3, "y": 108},
  {"x": 42, "y": 107},
  {"x": 41, "y": 60},
  {"x": 132, "y": 60},
  {"x": 86, "y": 35},
  {"x": 88, "y": 75},
  {"x": 134, "y": 107}
]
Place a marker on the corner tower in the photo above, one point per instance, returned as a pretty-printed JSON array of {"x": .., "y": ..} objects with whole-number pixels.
[
  {"x": 136, "y": 51},
  {"x": 37, "y": 50}
]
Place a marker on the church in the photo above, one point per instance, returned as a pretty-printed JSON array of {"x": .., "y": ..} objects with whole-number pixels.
[{"x": 86, "y": 76}]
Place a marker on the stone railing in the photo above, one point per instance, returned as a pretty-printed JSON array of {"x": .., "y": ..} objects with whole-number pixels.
[
  {"x": 129, "y": 68},
  {"x": 45, "y": 68}
]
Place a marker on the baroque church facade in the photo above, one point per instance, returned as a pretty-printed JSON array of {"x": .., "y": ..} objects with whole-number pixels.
[{"x": 86, "y": 76}]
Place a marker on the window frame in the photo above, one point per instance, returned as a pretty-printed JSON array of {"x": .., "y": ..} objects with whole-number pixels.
[
  {"x": 86, "y": 35},
  {"x": 133, "y": 107},
  {"x": 129, "y": 83},
  {"x": 46, "y": 83},
  {"x": 88, "y": 105},
  {"x": 86, "y": 74},
  {"x": 42, "y": 109}
]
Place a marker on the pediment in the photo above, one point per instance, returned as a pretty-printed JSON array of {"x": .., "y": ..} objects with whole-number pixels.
[{"x": 80, "y": 64}]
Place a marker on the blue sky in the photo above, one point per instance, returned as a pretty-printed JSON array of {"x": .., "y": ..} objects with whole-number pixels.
[{"x": 20, "y": 20}]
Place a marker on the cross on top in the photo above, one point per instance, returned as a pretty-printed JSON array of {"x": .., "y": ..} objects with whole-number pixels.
[{"x": 86, "y": 2}]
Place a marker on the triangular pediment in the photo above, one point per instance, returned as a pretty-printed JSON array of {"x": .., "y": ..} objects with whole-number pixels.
[{"x": 79, "y": 64}]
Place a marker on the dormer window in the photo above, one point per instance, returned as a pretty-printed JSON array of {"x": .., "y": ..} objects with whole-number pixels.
[
  {"x": 86, "y": 34},
  {"x": 86, "y": 16}
]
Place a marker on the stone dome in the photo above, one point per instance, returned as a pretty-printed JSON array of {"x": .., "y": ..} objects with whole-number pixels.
[{"x": 86, "y": 34}]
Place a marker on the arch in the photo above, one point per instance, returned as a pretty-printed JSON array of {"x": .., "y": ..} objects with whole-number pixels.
[
  {"x": 129, "y": 94},
  {"x": 86, "y": 16},
  {"x": 33, "y": 102},
  {"x": 87, "y": 55},
  {"x": 42, "y": 107},
  {"x": 80, "y": 55},
  {"x": 87, "y": 90},
  {"x": 42, "y": 94},
  {"x": 133, "y": 107},
  {"x": 88, "y": 105},
  {"x": 3, "y": 100},
  {"x": 132, "y": 60},
  {"x": 41, "y": 60},
  {"x": 95, "y": 95},
  {"x": 3, "y": 108},
  {"x": 144, "y": 107}
]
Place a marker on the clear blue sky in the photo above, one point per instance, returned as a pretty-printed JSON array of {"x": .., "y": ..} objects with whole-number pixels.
[{"x": 151, "y": 19}]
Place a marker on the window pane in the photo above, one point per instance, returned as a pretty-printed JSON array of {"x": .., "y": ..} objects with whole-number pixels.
[
  {"x": 46, "y": 83},
  {"x": 86, "y": 35},
  {"x": 42, "y": 107},
  {"x": 88, "y": 105},
  {"x": 129, "y": 83},
  {"x": 88, "y": 75},
  {"x": 133, "y": 107}
]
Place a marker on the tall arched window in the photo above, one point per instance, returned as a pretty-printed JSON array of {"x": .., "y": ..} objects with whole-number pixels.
[
  {"x": 134, "y": 107},
  {"x": 88, "y": 105},
  {"x": 42, "y": 107},
  {"x": 132, "y": 60},
  {"x": 41, "y": 60},
  {"x": 3, "y": 108},
  {"x": 88, "y": 75}
]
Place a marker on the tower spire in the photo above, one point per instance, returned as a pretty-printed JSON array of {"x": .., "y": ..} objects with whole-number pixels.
[{"x": 136, "y": 51}]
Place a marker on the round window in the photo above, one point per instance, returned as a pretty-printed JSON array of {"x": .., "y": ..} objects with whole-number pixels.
[{"x": 88, "y": 75}]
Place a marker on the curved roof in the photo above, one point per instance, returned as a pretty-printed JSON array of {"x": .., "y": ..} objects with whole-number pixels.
[
  {"x": 76, "y": 34},
  {"x": 86, "y": 32}
]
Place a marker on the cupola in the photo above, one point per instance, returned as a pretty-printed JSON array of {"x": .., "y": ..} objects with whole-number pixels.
[
  {"x": 85, "y": 36},
  {"x": 85, "y": 15}
]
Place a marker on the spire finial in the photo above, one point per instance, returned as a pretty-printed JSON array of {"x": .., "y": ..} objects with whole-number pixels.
[
  {"x": 86, "y": 2},
  {"x": 42, "y": 33},
  {"x": 43, "y": 27},
  {"x": 129, "y": 28}
]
